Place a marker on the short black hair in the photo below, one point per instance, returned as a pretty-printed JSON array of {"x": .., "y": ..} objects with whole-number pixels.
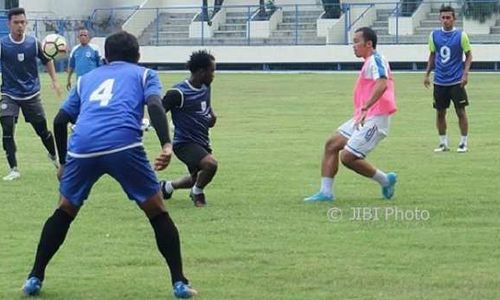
[
  {"x": 368, "y": 35},
  {"x": 199, "y": 60},
  {"x": 16, "y": 11},
  {"x": 121, "y": 46},
  {"x": 447, "y": 8}
]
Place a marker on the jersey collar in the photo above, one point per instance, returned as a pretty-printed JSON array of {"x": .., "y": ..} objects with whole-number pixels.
[
  {"x": 453, "y": 29},
  {"x": 16, "y": 42}
]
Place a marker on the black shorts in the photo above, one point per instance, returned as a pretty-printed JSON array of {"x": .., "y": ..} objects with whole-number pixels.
[
  {"x": 32, "y": 108},
  {"x": 444, "y": 94},
  {"x": 191, "y": 155}
]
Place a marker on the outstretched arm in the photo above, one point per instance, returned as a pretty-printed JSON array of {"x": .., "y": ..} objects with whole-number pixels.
[{"x": 173, "y": 98}]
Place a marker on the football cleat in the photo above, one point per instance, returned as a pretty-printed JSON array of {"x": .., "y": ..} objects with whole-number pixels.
[
  {"x": 319, "y": 197},
  {"x": 183, "y": 290}
]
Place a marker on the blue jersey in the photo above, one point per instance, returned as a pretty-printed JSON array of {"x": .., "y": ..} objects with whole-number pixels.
[
  {"x": 19, "y": 67},
  {"x": 108, "y": 106},
  {"x": 84, "y": 59},
  {"x": 191, "y": 119},
  {"x": 449, "y": 47}
]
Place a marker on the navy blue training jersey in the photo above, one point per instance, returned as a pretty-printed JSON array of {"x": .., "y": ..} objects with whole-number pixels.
[
  {"x": 449, "y": 47},
  {"x": 19, "y": 67},
  {"x": 108, "y": 105},
  {"x": 192, "y": 117}
]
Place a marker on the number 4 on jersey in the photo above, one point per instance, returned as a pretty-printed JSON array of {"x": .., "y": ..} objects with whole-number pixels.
[{"x": 103, "y": 93}]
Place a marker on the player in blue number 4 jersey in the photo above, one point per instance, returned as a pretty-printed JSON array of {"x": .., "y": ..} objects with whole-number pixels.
[
  {"x": 447, "y": 47},
  {"x": 107, "y": 106}
]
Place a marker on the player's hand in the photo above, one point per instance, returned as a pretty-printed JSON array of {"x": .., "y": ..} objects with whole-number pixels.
[
  {"x": 56, "y": 88},
  {"x": 427, "y": 81},
  {"x": 68, "y": 85},
  {"x": 162, "y": 161},
  {"x": 60, "y": 172},
  {"x": 464, "y": 81},
  {"x": 212, "y": 121},
  {"x": 360, "y": 122}
]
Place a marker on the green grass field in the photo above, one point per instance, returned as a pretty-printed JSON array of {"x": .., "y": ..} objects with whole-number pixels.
[{"x": 257, "y": 239}]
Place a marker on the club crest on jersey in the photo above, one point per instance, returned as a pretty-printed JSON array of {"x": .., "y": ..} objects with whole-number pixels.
[
  {"x": 88, "y": 54},
  {"x": 20, "y": 56},
  {"x": 203, "y": 105},
  {"x": 4, "y": 106}
]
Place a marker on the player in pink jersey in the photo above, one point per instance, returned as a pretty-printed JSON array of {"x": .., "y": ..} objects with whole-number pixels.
[{"x": 374, "y": 103}]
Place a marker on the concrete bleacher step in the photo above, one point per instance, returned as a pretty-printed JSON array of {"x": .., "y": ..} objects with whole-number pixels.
[
  {"x": 293, "y": 26},
  {"x": 232, "y": 27},
  {"x": 378, "y": 23},
  {"x": 291, "y": 33},
  {"x": 227, "y": 33},
  {"x": 292, "y": 19},
  {"x": 236, "y": 20},
  {"x": 437, "y": 24},
  {"x": 383, "y": 14}
]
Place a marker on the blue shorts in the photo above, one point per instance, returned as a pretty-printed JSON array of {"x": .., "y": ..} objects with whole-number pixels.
[{"x": 129, "y": 167}]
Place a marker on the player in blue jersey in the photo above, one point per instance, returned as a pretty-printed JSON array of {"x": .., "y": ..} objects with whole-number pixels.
[
  {"x": 83, "y": 58},
  {"x": 21, "y": 88},
  {"x": 107, "y": 106},
  {"x": 447, "y": 47},
  {"x": 190, "y": 106}
]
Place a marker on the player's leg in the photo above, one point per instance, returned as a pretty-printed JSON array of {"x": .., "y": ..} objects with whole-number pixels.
[
  {"x": 201, "y": 165},
  {"x": 169, "y": 186},
  {"x": 460, "y": 100},
  {"x": 34, "y": 114},
  {"x": 207, "y": 169},
  {"x": 9, "y": 112},
  {"x": 330, "y": 162},
  {"x": 79, "y": 176},
  {"x": 134, "y": 173},
  {"x": 442, "y": 98},
  {"x": 360, "y": 144}
]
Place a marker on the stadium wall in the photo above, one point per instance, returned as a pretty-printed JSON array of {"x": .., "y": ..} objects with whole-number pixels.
[{"x": 328, "y": 57}]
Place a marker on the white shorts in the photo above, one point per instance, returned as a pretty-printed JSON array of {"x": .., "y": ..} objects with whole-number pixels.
[{"x": 364, "y": 139}]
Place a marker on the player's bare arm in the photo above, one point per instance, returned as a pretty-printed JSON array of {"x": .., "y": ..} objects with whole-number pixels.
[
  {"x": 467, "y": 64},
  {"x": 428, "y": 70}
]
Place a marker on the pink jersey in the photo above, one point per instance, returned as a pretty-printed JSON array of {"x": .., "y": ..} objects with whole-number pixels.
[{"x": 375, "y": 67}]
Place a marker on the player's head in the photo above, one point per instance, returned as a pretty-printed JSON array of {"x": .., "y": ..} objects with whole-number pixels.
[
  {"x": 202, "y": 66},
  {"x": 447, "y": 17},
  {"x": 83, "y": 36},
  {"x": 121, "y": 46},
  {"x": 17, "y": 21},
  {"x": 364, "y": 42}
]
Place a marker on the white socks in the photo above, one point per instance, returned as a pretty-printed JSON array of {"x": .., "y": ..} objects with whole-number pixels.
[
  {"x": 168, "y": 187},
  {"x": 196, "y": 190},
  {"x": 463, "y": 140},
  {"x": 326, "y": 185},
  {"x": 381, "y": 178},
  {"x": 443, "y": 140}
]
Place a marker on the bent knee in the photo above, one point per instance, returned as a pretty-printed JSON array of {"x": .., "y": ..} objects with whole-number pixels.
[{"x": 209, "y": 163}]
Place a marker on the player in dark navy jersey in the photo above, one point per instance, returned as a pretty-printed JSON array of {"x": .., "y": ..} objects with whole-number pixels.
[
  {"x": 21, "y": 88},
  {"x": 447, "y": 47},
  {"x": 192, "y": 114},
  {"x": 107, "y": 107}
]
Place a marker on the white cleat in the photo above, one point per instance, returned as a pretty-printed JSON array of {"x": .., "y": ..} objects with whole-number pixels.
[
  {"x": 462, "y": 148},
  {"x": 442, "y": 148},
  {"x": 13, "y": 175}
]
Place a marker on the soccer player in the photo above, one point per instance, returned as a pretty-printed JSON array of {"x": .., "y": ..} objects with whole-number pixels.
[
  {"x": 83, "y": 58},
  {"x": 374, "y": 103},
  {"x": 108, "y": 105},
  {"x": 447, "y": 47},
  {"x": 21, "y": 88},
  {"x": 190, "y": 105}
]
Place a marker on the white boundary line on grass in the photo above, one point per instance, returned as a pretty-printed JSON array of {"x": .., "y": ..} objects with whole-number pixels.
[{"x": 313, "y": 72}]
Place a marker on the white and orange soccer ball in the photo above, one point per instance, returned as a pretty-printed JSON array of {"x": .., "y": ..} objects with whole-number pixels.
[{"x": 54, "y": 45}]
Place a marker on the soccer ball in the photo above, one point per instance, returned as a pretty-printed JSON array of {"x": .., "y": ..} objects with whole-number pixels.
[
  {"x": 146, "y": 125},
  {"x": 54, "y": 45}
]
